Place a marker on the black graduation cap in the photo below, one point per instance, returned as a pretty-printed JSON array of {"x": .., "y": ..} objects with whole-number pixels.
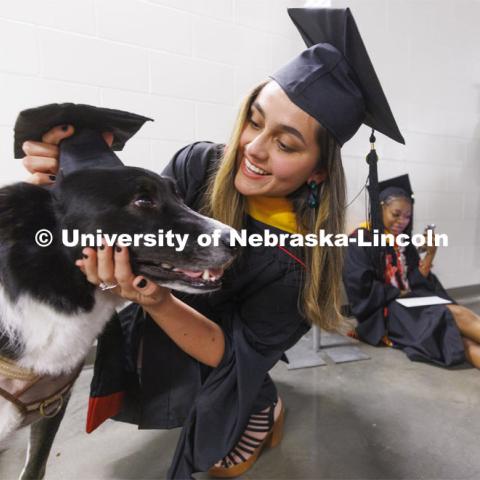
[
  {"x": 334, "y": 80},
  {"x": 396, "y": 186},
  {"x": 86, "y": 147}
]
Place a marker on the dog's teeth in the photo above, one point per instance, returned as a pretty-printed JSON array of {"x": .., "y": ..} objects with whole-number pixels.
[
  {"x": 205, "y": 274},
  {"x": 167, "y": 266},
  {"x": 176, "y": 270}
]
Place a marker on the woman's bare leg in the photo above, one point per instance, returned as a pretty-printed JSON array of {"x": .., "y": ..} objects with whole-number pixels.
[
  {"x": 472, "y": 352},
  {"x": 467, "y": 322}
]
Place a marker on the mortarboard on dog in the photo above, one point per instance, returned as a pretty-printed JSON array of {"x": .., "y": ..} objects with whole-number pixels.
[{"x": 86, "y": 147}]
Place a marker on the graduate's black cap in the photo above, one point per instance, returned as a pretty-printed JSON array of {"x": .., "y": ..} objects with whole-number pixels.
[
  {"x": 86, "y": 147},
  {"x": 334, "y": 80},
  {"x": 397, "y": 186}
]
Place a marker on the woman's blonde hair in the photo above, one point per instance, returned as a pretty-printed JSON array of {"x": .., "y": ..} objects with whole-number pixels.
[{"x": 320, "y": 300}]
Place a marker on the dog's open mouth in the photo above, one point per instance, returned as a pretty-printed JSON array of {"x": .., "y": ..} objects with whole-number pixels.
[{"x": 166, "y": 273}]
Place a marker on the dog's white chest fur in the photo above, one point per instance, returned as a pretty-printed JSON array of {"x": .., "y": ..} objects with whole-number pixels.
[{"x": 54, "y": 342}]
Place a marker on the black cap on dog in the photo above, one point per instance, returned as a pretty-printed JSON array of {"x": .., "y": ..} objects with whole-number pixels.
[{"x": 86, "y": 147}]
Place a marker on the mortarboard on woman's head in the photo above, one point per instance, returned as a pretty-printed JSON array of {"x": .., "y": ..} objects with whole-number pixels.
[
  {"x": 334, "y": 80},
  {"x": 396, "y": 187}
]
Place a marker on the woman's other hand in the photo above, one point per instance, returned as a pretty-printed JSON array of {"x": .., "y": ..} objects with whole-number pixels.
[
  {"x": 112, "y": 266},
  {"x": 431, "y": 250},
  {"x": 41, "y": 158}
]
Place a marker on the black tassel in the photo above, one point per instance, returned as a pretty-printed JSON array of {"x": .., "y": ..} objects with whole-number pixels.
[{"x": 376, "y": 223}]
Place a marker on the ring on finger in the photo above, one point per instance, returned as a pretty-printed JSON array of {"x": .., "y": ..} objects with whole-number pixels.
[{"x": 107, "y": 286}]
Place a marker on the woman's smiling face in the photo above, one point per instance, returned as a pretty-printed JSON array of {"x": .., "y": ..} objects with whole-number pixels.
[
  {"x": 278, "y": 151},
  {"x": 397, "y": 214}
]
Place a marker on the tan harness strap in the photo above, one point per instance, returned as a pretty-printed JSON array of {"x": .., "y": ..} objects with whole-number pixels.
[
  {"x": 35, "y": 396},
  {"x": 9, "y": 369}
]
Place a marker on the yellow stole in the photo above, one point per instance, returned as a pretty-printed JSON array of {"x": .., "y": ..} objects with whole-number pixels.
[{"x": 275, "y": 211}]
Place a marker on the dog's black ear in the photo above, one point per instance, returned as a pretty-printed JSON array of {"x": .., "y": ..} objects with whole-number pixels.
[
  {"x": 47, "y": 273},
  {"x": 25, "y": 209}
]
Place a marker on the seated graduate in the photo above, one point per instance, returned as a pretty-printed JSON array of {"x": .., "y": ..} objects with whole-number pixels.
[{"x": 375, "y": 277}]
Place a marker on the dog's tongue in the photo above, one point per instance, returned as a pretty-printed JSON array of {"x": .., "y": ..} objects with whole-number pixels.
[
  {"x": 211, "y": 272},
  {"x": 191, "y": 273}
]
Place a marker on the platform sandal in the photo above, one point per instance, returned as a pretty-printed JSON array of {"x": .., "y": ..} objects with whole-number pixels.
[{"x": 248, "y": 448}]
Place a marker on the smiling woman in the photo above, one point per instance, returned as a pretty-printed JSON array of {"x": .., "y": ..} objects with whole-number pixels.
[
  {"x": 291, "y": 150},
  {"x": 397, "y": 214}
]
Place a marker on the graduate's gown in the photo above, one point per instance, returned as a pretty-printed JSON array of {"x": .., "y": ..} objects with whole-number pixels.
[
  {"x": 426, "y": 333},
  {"x": 257, "y": 309}
]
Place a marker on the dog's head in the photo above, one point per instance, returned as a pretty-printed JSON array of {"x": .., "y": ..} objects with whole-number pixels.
[
  {"x": 137, "y": 202},
  {"x": 117, "y": 200}
]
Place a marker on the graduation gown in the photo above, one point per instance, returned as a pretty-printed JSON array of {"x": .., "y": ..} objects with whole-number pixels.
[
  {"x": 426, "y": 333},
  {"x": 257, "y": 308}
]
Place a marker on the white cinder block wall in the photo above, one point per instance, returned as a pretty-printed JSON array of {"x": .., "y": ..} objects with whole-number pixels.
[
  {"x": 187, "y": 64},
  {"x": 426, "y": 54}
]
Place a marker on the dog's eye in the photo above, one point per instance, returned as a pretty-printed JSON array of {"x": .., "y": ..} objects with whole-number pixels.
[{"x": 144, "y": 202}]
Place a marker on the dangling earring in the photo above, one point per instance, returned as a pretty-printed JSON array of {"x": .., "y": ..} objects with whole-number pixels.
[{"x": 312, "y": 199}]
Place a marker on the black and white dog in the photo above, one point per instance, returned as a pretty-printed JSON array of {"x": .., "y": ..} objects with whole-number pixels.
[{"x": 50, "y": 315}]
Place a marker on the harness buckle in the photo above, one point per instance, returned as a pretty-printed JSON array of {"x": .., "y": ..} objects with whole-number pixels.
[{"x": 57, "y": 400}]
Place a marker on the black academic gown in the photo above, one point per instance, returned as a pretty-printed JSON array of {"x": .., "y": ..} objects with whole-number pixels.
[
  {"x": 426, "y": 333},
  {"x": 257, "y": 309}
]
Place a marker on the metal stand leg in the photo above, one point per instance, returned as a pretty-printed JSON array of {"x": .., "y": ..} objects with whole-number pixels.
[
  {"x": 317, "y": 338},
  {"x": 316, "y": 346},
  {"x": 302, "y": 355}
]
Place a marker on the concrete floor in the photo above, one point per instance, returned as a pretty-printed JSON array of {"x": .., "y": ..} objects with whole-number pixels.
[{"x": 383, "y": 418}]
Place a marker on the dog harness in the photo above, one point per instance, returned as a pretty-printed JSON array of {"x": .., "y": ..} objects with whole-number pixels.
[{"x": 35, "y": 396}]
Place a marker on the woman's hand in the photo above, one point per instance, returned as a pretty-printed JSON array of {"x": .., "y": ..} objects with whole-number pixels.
[
  {"x": 194, "y": 333},
  {"x": 112, "y": 266},
  {"x": 431, "y": 250},
  {"x": 41, "y": 158}
]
